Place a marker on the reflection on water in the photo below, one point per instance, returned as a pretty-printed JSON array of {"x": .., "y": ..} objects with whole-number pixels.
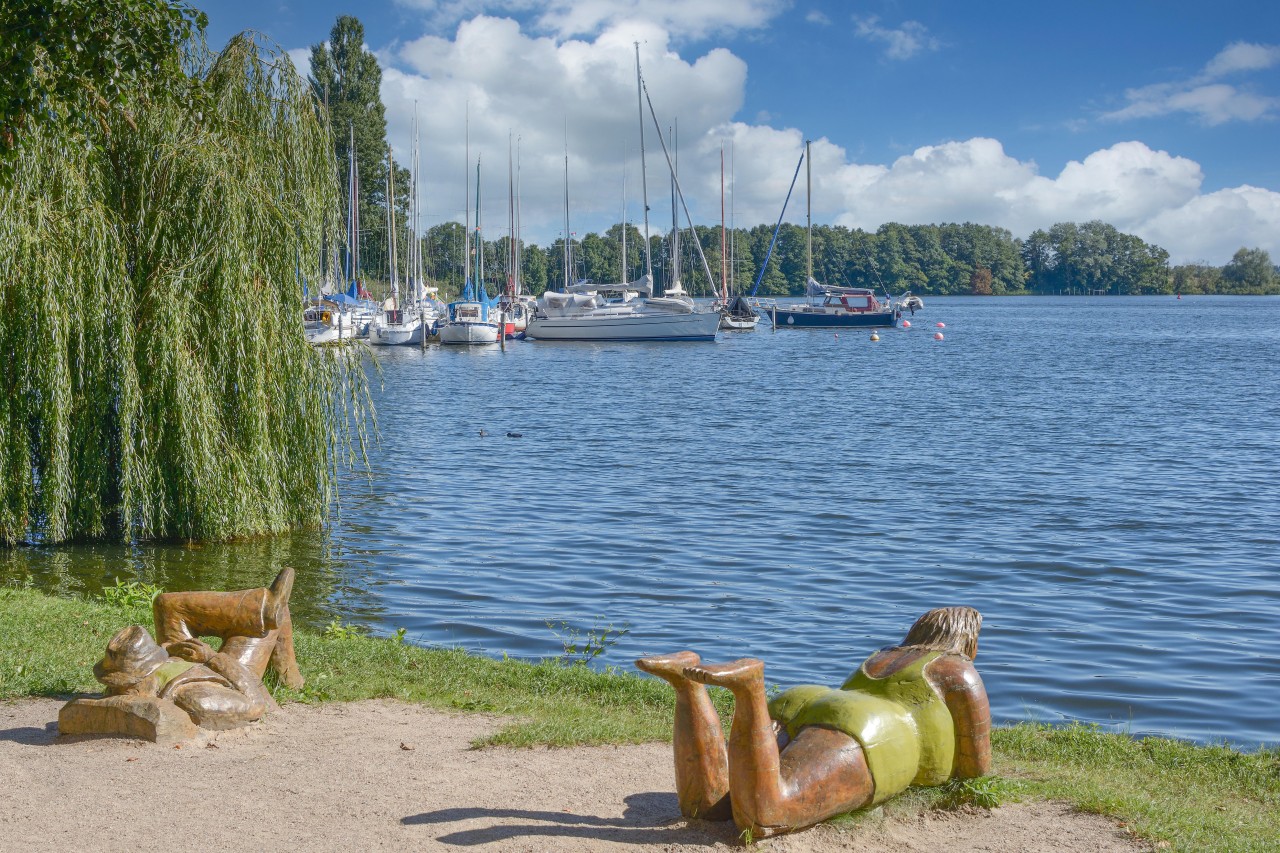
[
  {"x": 1096, "y": 475},
  {"x": 320, "y": 593}
]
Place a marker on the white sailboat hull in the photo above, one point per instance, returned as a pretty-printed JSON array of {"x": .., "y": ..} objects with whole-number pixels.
[
  {"x": 396, "y": 334},
  {"x": 696, "y": 326},
  {"x": 468, "y": 333}
]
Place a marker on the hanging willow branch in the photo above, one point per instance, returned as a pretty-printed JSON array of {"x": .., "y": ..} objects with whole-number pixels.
[{"x": 156, "y": 382}]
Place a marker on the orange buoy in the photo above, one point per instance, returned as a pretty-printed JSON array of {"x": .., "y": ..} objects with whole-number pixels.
[
  {"x": 874, "y": 336},
  {"x": 937, "y": 336}
]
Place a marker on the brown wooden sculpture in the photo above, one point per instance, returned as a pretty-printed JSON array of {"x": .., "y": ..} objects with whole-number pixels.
[
  {"x": 913, "y": 714},
  {"x": 163, "y": 691}
]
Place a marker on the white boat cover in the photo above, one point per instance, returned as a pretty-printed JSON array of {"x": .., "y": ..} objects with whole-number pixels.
[
  {"x": 642, "y": 285},
  {"x": 556, "y": 304}
]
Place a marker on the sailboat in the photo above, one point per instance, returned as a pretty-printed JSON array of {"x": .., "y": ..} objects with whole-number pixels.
[
  {"x": 472, "y": 318},
  {"x": 335, "y": 317},
  {"x": 397, "y": 323},
  {"x": 514, "y": 307},
  {"x": 622, "y": 311},
  {"x": 829, "y": 306},
  {"x": 736, "y": 313}
]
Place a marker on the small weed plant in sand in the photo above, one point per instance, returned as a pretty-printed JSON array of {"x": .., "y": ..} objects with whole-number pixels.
[{"x": 987, "y": 792}]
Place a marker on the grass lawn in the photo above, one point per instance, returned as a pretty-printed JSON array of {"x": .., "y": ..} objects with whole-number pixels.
[{"x": 1191, "y": 797}]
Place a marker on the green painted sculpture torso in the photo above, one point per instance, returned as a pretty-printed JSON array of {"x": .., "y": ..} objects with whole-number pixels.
[{"x": 900, "y": 720}]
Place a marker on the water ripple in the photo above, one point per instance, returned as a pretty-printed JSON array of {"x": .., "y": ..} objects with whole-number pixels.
[{"x": 1095, "y": 475}]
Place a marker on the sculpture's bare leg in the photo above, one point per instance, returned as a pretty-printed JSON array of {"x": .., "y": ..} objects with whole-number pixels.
[
  {"x": 820, "y": 774},
  {"x": 702, "y": 781}
]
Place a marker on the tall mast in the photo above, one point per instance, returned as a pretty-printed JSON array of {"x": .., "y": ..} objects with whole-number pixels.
[
  {"x": 724, "y": 266},
  {"x": 479, "y": 235},
  {"x": 675, "y": 215},
  {"x": 706, "y": 269},
  {"x": 733, "y": 235},
  {"x": 624, "y": 215},
  {"x": 644, "y": 185},
  {"x": 519, "y": 248},
  {"x": 808, "y": 197},
  {"x": 511, "y": 217},
  {"x": 567, "y": 255},
  {"x": 391, "y": 227},
  {"x": 415, "y": 247},
  {"x": 466, "y": 194},
  {"x": 351, "y": 209}
]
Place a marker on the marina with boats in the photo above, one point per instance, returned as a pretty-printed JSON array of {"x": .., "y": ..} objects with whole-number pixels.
[{"x": 626, "y": 310}]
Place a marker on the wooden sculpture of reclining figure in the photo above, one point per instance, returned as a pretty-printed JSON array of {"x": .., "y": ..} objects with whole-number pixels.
[
  {"x": 216, "y": 689},
  {"x": 913, "y": 714}
]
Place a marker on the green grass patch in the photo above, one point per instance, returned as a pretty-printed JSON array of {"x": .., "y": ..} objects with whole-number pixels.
[
  {"x": 1196, "y": 797},
  {"x": 1193, "y": 797}
]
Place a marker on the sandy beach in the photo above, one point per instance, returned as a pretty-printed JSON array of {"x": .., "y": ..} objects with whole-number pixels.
[{"x": 382, "y": 775}]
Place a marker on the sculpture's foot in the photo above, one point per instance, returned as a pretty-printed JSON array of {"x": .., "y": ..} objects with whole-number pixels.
[
  {"x": 669, "y": 667},
  {"x": 277, "y": 603},
  {"x": 738, "y": 673}
]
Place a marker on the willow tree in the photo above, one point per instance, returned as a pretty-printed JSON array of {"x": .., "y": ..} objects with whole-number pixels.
[{"x": 156, "y": 379}]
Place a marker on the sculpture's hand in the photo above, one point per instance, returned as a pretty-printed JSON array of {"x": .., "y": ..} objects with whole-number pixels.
[{"x": 193, "y": 649}]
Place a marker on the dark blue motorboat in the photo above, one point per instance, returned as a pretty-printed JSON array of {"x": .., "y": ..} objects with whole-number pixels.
[{"x": 830, "y": 307}]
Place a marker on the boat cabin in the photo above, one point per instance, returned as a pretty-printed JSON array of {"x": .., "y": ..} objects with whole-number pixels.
[{"x": 854, "y": 302}]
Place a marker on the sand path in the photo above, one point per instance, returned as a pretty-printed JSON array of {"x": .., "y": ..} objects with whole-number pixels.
[{"x": 383, "y": 775}]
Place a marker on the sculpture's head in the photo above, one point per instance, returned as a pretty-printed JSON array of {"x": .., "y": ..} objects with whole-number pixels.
[
  {"x": 947, "y": 629},
  {"x": 131, "y": 656}
]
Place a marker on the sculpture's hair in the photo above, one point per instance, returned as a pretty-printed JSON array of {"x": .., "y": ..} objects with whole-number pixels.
[{"x": 947, "y": 629}]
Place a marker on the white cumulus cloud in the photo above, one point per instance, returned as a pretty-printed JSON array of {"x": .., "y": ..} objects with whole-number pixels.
[{"x": 546, "y": 91}]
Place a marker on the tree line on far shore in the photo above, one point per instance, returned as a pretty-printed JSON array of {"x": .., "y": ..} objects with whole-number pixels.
[{"x": 949, "y": 259}]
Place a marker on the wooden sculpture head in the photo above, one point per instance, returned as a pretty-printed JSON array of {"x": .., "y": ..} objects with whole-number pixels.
[
  {"x": 132, "y": 655},
  {"x": 947, "y": 629}
]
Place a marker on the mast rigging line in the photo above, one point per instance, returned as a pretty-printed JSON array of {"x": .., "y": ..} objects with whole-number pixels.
[
  {"x": 776, "y": 228},
  {"x": 679, "y": 192}
]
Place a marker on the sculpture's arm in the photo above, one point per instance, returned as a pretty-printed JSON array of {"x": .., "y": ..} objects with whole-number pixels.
[
  {"x": 243, "y": 680},
  {"x": 966, "y": 699},
  {"x": 246, "y": 682}
]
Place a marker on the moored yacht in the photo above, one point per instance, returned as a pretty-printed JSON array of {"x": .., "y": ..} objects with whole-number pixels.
[{"x": 619, "y": 312}]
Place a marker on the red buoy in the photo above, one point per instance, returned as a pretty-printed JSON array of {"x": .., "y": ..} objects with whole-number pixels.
[
  {"x": 937, "y": 336},
  {"x": 942, "y": 325},
  {"x": 906, "y": 324}
]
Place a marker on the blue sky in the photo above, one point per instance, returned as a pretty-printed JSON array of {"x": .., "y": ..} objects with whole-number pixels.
[{"x": 1161, "y": 118}]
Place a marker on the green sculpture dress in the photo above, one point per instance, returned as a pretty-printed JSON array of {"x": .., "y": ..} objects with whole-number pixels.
[{"x": 902, "y": 723}]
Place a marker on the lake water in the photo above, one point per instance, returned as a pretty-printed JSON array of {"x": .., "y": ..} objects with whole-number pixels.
[{"x": 1098, "y": 476}]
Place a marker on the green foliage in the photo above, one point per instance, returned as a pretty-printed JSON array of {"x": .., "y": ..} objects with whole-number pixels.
[
  {"x": 158, "y": 383},
  {"x": 66, "y": 64},
  {"x": 130, "y": 593},
  {"x": 1250, "y": 271},
  {"x": 987, "y": 792},
  {"x": 337, "y": 630},
  {"x": 346, "y": 79},
  {"x": 1094, "y": 258},
  {"x": 583, "y": 647}
]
